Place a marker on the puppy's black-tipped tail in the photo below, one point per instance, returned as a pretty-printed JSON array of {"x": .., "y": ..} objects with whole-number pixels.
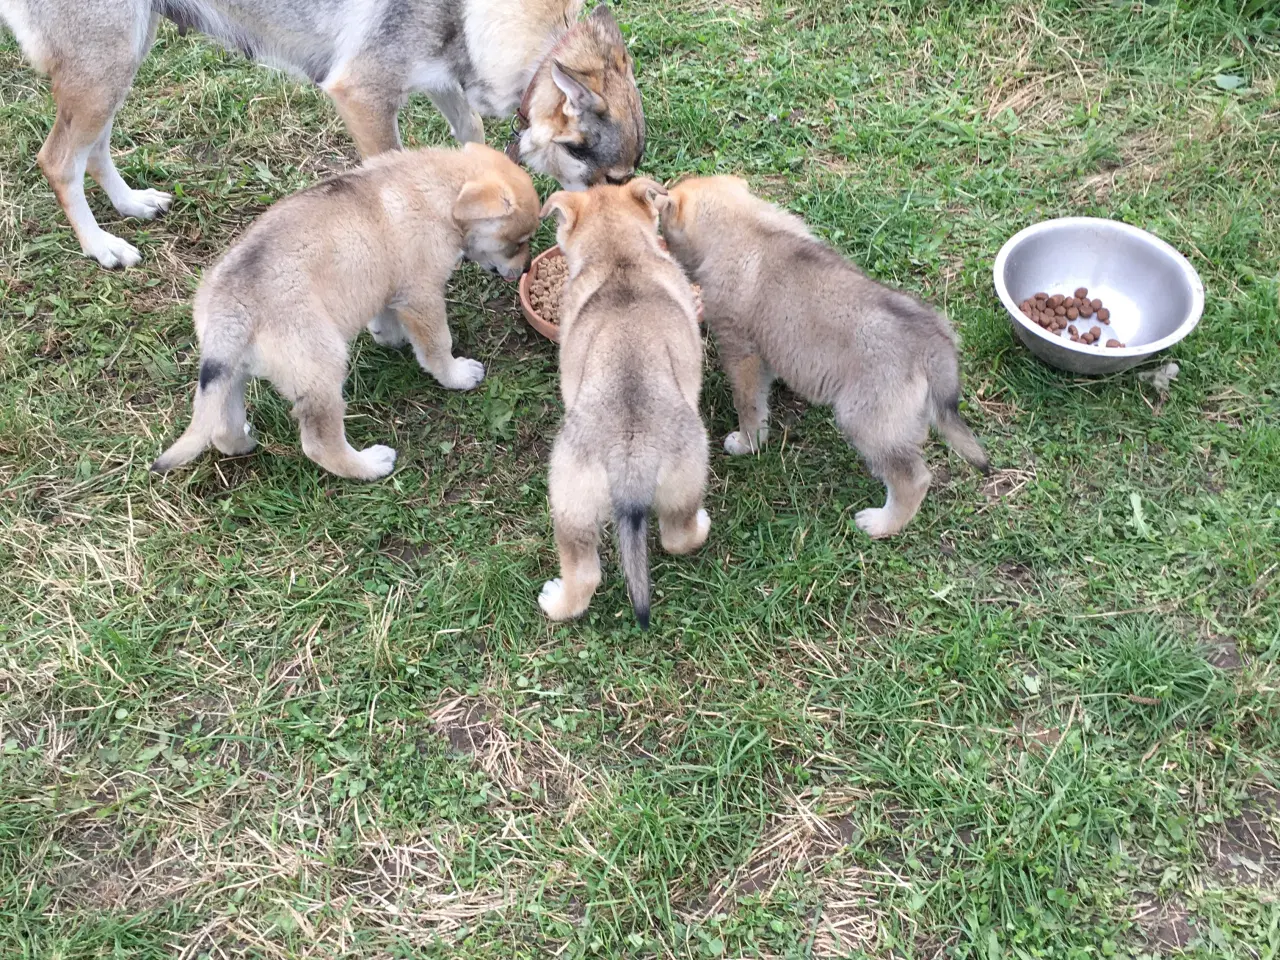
[
  {"x": 205, "y": 419},
  {"x": 959, "y": 435},
  {"x": 632, "y": 520}
]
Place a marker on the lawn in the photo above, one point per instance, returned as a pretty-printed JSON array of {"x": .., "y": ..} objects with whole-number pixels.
[{"x": 252, "y": 710}]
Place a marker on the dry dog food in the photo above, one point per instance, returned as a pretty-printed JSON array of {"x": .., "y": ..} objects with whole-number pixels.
[
  {"x": 547, "y": 287},
  {"x": 1056, "y": 312}
]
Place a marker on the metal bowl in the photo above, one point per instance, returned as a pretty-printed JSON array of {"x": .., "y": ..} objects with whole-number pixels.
[{"x": 1155, "y": 296}]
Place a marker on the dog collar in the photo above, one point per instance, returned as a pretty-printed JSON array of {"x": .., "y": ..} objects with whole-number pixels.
[{"x": 520, "y": 122}]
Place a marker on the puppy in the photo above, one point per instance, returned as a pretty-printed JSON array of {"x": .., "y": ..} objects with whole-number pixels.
[
  {"x": 571, "y": 85},
  {"x": 287, "y": 300},
  {"x": 782, "y": 304},
  {"x": 630, "y": 373}
]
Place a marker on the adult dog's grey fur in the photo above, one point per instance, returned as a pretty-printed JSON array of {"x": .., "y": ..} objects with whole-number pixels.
[{"x": 472, "y": 57}]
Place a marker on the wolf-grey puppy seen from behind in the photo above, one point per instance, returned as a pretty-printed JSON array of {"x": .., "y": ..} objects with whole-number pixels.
[
  {"x": 782, "y": 304},
  {"x": 630, "y": 373},
  {"x": 287, "y": 300},
  {"x": 572, "y": 83}
]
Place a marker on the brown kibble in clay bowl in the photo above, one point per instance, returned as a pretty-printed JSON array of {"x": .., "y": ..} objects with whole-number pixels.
[{"x": 542, "y": 287}]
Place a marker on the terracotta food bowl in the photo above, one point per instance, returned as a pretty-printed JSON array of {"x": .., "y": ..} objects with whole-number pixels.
[{"x": 545, "y": 326}]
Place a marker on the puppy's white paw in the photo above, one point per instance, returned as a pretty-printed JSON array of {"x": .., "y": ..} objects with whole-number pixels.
[
  {"x": 143, "y": 204},
  {"x": 110, "y": 251},
  {"x": 551, "y": 599},
  {"x": 463, "y": 374},
  {"x": 738, "y": 443},
  {"x": 387, "y": 331},
  {"x": 875, "y": 522},
  {"x": 704, "y": 526},
  {"x": 378, "y": 461}
]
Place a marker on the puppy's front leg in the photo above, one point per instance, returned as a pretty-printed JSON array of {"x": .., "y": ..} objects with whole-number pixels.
[
  {"x": 750, "y": 378},
  {"x": 424, "y": 321}
]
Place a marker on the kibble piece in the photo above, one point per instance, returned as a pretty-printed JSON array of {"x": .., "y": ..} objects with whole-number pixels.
[
  {"x": 1113, "y": 342},
  {"x": 1060, "y": 310},
  {"x": 1041, "y": 296},
  {"x": 1072, "y": 313},
  {"x": 1086, "y": 309},
  {"x": 1068, "y": 302},
  {"x": 1104, "y": 314},
  {"x": 1095, "y": 332},
  {"x": 1081, "y": 293},
  {"x": 1056, "y": 300},
  {"x": 1096, "y": 303},
  {"x": 1073, "y": 331}
]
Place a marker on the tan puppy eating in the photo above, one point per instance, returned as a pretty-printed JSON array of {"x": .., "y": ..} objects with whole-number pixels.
[
  {"x": 780, "y": 303},
  {"x": 630, "y": 374},
  {"x": 381, "y": 241}
]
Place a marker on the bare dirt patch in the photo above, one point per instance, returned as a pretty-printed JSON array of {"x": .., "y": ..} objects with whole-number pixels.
[
  {"x": 1244, "y": 851},
  {"x": 1164, "y": 926},
  {"x": 1224, "y": 653},
  {"x": 802, "y": 845},
  {"x": 528, "y": 770}
]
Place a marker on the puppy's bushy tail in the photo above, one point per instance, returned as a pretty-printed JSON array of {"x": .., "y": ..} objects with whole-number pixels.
[
  {"x": 219, "y": 360},
  {"x": 944, "y": 401},
  {"x": 632, "y": 491}
]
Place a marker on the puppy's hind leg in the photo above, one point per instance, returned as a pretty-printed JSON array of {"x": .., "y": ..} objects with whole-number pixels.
[
  {"x": 682, "y": 521},
  {"x": 311, "y": 373},
  {"x": 579, "y": 495},
  {"x": 893, "y": 456},
  {"x": 217, "y": 417},
  {"x": 750, "y": 378}
]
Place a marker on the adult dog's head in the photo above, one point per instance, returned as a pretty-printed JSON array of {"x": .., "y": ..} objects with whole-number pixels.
[{"x": 585, "y": 119}]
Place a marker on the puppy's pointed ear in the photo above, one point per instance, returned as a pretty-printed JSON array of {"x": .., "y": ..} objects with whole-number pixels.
[
  {"x": 671, "y": 211},
  {"x": 483, "y": 200},
  {"x": 578, "y": 95},
  {"x": 603, "y": 19},
  {"x": 649, "y": 192},
  {"x": 603, "y": 14},
  {"x": 565, "y": 205}
]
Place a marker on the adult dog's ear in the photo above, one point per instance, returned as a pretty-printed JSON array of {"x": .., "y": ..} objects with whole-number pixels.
[
  {"x": 483, "y": 200},
  {"x": 576, "y": 87},
  {"x": 564, "y": 204},
  {"x": 651, "y": 193}
]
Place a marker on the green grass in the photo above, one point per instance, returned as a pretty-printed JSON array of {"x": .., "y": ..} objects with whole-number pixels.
[{"x": 251, "y": 710}]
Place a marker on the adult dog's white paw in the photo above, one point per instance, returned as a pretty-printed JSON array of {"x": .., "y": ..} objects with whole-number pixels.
[
  {"x": 143, "y": 204},
  {"x": 378, "y": 461},
  {"x": 463, "y": 374},
  {"x": 110, "y": 251}
]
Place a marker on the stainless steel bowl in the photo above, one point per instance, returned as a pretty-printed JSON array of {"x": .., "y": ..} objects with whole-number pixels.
[{"x": 1155, "y": 296}]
